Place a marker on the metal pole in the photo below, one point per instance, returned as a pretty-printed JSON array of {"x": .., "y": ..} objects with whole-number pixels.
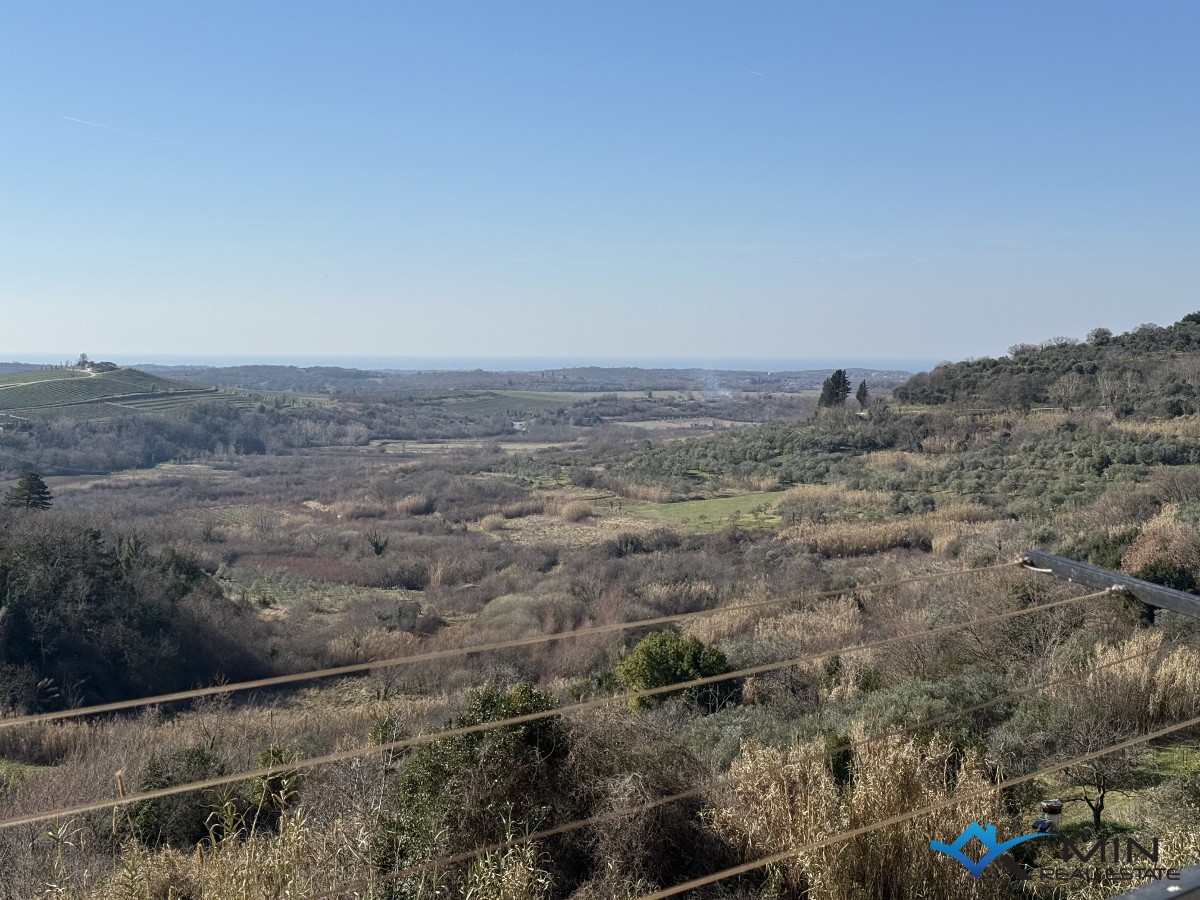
[{"x": 1098, "y": 579}]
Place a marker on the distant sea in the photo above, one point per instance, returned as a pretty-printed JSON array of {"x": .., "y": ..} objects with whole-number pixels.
[{"x": 494, "y": 363}]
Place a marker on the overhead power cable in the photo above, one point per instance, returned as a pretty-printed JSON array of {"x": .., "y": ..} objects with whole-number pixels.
[
  {"x": 915, "y": 813},
  {"x": 429, "y": 737},
  {"x": 625, "y": 812},
  {"x": 455, "y": 652}
]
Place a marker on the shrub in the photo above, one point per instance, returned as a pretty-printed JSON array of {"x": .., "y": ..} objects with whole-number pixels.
[
  {"x": 576, "y": 511},
  {"x": 666, "y": 657},
  {"x": 469, "y": 790},
  {"x": 181, "y": 821}
]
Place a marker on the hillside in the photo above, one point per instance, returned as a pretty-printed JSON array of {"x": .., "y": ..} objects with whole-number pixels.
[
  {"x": 1151, "y": 370},
  {"x": 336, "y": 380},
  {"x": 812, "y": 562},
  {"x": 36, "y": 389}
]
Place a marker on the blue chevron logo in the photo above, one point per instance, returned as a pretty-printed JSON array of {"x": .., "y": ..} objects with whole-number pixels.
[{"x": 986, "y": 835}]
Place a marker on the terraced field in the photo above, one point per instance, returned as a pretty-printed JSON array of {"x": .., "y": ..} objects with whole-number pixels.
[
  {"x": 38, "y": 375},
  {"x": 47, "y": 389}
]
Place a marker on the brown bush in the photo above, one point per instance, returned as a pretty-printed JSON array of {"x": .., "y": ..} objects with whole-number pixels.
[
  {"x": 777, "y": 800},
  {"x": 413, "y": 505}
]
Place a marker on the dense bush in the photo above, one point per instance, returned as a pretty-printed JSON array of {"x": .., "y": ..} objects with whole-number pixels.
[
  {"x": 107, "y": 619},
  {"x": 666, "y": 657},
  {"x": 464, "y": 791}
]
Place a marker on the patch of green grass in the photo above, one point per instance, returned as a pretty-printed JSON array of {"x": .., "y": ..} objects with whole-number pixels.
[
  {"x": 754, "y": 510},
  {"x": 566, "y": 398},
  {"x": 1178, "y": 760},
  {"x": 12, "y": 771}
]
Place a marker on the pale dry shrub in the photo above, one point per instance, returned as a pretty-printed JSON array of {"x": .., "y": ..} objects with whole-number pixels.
[
  {"x": 644, "y": 493},
  {"x": 1157, "y": 687},
  {"x": 859, "y": 538},
  {"x": 679, "y": 596},
  {"x": 903, "y": 461},
  {"x": 941, "y": 443},
  {"x": 955, "y": 542},
  {"x": 832, "y": 624},
  {"x": 553, "y": 505},
  {"x": 369, "y": 645},
  {"x": 492, "y": 522},
  {"x": 1119, "y": 508},
  {"x": 960, "y": 513},
  {"x": 838, "y": 492},
  {"x": 576, "y": 511},
  {"x": 1163, "y": 538},
  {"x": 518, "y": 873},
  {"x": 765, "y": 483},
  {"x": 297, "y": 863},
  {"x": 777, "y": 801},
  {"x": 1174, "y": 484},
  {"x": 413, "y": 505},
  {"x": 519, "y": 509},
  {"x": 733, "y": 622},
  {"x": 1180, "y": 426},
  {"x": 358, "y": 509}
]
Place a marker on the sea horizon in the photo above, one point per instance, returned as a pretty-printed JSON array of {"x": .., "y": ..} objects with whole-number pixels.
[{"x": 488, "y": 363}]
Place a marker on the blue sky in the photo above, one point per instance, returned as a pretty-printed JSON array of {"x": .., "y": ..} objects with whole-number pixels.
[{"x": 626, "y": 179}]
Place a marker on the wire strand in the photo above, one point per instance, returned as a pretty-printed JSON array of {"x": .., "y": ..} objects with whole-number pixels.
[
  {"x": 429, "y": 737},
  {"x": 613, "y": 815},
  {"x": 916, "y": 813},
  {"x": 358, "y": 668}
]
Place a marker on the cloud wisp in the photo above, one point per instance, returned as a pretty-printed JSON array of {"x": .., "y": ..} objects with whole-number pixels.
[{"x": 138, "y": 134}]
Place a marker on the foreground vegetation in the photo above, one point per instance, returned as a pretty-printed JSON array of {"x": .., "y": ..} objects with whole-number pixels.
[{"x": 352, "y": 545}]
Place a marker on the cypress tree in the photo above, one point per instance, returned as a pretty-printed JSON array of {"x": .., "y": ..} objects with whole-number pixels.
[
  {"x": 835, "y": 389},
  {"x": 30, "y": 492}
]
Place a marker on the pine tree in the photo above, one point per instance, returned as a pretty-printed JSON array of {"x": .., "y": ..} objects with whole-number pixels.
[
  {"x": 835, "y": 389},
  {"x": 30, "y": 492},
  {"x": 862, "y": 395}
]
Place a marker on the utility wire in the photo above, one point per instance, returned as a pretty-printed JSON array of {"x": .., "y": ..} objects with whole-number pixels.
[
  {"x": 429, "y": 737},
  {"x": 914, "y": 814},
  {"x": 356, "y": 668},
  {"x": 624, "y": 812}
]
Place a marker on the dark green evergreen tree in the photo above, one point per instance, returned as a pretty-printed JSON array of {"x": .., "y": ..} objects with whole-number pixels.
[
  {"x": 835, "y": 389},
  {"x": 862, "y": 395},
  {"x": 30, "y": 492}
]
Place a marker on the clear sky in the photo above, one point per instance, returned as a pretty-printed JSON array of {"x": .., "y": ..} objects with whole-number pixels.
[{"x": 658, "y": 179}]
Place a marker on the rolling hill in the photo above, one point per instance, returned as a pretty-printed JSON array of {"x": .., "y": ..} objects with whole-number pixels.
[{"x": 57, "y": 389}]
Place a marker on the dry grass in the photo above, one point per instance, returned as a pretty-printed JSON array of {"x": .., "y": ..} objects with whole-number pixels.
[
  {"x": 369, "y": 645},
  {"x": 1165, "y": 538},
  {"x": 576, "y": 511},
  {"x": 643, "y": 493},
  {"x": 859, "y": 538},
  {"x": 777, "y": 800},
  {"x": 358, "y": 509},
  {"x": 903, "y": 461},
  {"x": 1160, "y": 687},
  {"x": 1181, "y": 426},
  {"x": 929, "y": 531},
  {"x": 413, "y": 505},
  {"x": 839, "y": 493},
  {"x": 492, "y": 522}
]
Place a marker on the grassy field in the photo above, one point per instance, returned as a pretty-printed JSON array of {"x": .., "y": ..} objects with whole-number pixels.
[
  {"x": 447, "y": 446},
  {"x": 565, "y": 398},
  {"x": 753, "y": 510}
]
